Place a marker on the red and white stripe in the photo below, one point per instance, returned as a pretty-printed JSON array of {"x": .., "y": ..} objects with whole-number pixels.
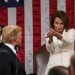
[{"x": 34, "y": 18}]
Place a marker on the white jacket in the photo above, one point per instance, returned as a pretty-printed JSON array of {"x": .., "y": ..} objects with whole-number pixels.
[{"x": 60, "y": 50}]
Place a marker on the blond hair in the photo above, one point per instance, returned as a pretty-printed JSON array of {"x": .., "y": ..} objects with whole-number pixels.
[{"x": 9, "y": 32}]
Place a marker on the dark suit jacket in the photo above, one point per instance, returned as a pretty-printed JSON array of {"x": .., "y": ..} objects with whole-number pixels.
[{"x": 9, "y": 63}]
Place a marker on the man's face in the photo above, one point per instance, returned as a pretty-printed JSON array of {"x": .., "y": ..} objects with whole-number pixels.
[
  {"x": 19, "y": 38},
  {"x": 58, "y": 25}
]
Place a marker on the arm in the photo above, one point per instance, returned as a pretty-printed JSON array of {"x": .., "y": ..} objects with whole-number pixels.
[
  {"x": 5, "y": 67},
  {"x": 49, "y": 40},
  {"x": 69, "y": 36},
  {"x": 66, "y": 37},
  {"x": 49, "y": 45}
]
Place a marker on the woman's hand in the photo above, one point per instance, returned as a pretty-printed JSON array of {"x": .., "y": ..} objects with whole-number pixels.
[
  {"x": 52, "y": 33},
  {"x": 58, "y": 35}
]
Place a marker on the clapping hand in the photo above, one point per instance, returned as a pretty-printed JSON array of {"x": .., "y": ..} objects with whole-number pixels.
[{"x": 51, "y": 33}]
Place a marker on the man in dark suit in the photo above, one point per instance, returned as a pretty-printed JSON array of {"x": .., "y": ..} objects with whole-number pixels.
[{"x": 9, "y": 63}]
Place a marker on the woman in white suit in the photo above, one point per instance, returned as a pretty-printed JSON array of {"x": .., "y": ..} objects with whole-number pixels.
[{"x": 59, "y": 41}]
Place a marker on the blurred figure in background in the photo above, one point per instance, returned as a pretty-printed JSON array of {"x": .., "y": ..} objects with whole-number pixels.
[{"x": 58, "y": 70}]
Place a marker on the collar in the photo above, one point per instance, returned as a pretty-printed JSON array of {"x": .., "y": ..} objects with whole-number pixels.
[{"x": 12, "y": 47}]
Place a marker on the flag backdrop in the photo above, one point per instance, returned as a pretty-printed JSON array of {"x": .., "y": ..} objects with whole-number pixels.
[{"x": 34, "y": 17}]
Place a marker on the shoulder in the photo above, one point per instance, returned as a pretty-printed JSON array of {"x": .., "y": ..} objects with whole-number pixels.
[
  {"x": 4, "y": 47},
  {"x": 69, "y": 35},
  {"x": 5, "y": 53},
  {"x": 5, "y": 50},
  {"x": 71, "y": 30}
]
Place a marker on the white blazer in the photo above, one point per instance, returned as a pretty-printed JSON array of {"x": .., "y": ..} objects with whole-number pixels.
[{"x": 60, "y": 50}]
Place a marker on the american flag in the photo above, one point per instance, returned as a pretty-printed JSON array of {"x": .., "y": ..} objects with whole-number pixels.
[{"x": 34, "y": 17}]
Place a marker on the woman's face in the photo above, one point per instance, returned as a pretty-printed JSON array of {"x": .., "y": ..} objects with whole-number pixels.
[{"x": 58, "y": 25}]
